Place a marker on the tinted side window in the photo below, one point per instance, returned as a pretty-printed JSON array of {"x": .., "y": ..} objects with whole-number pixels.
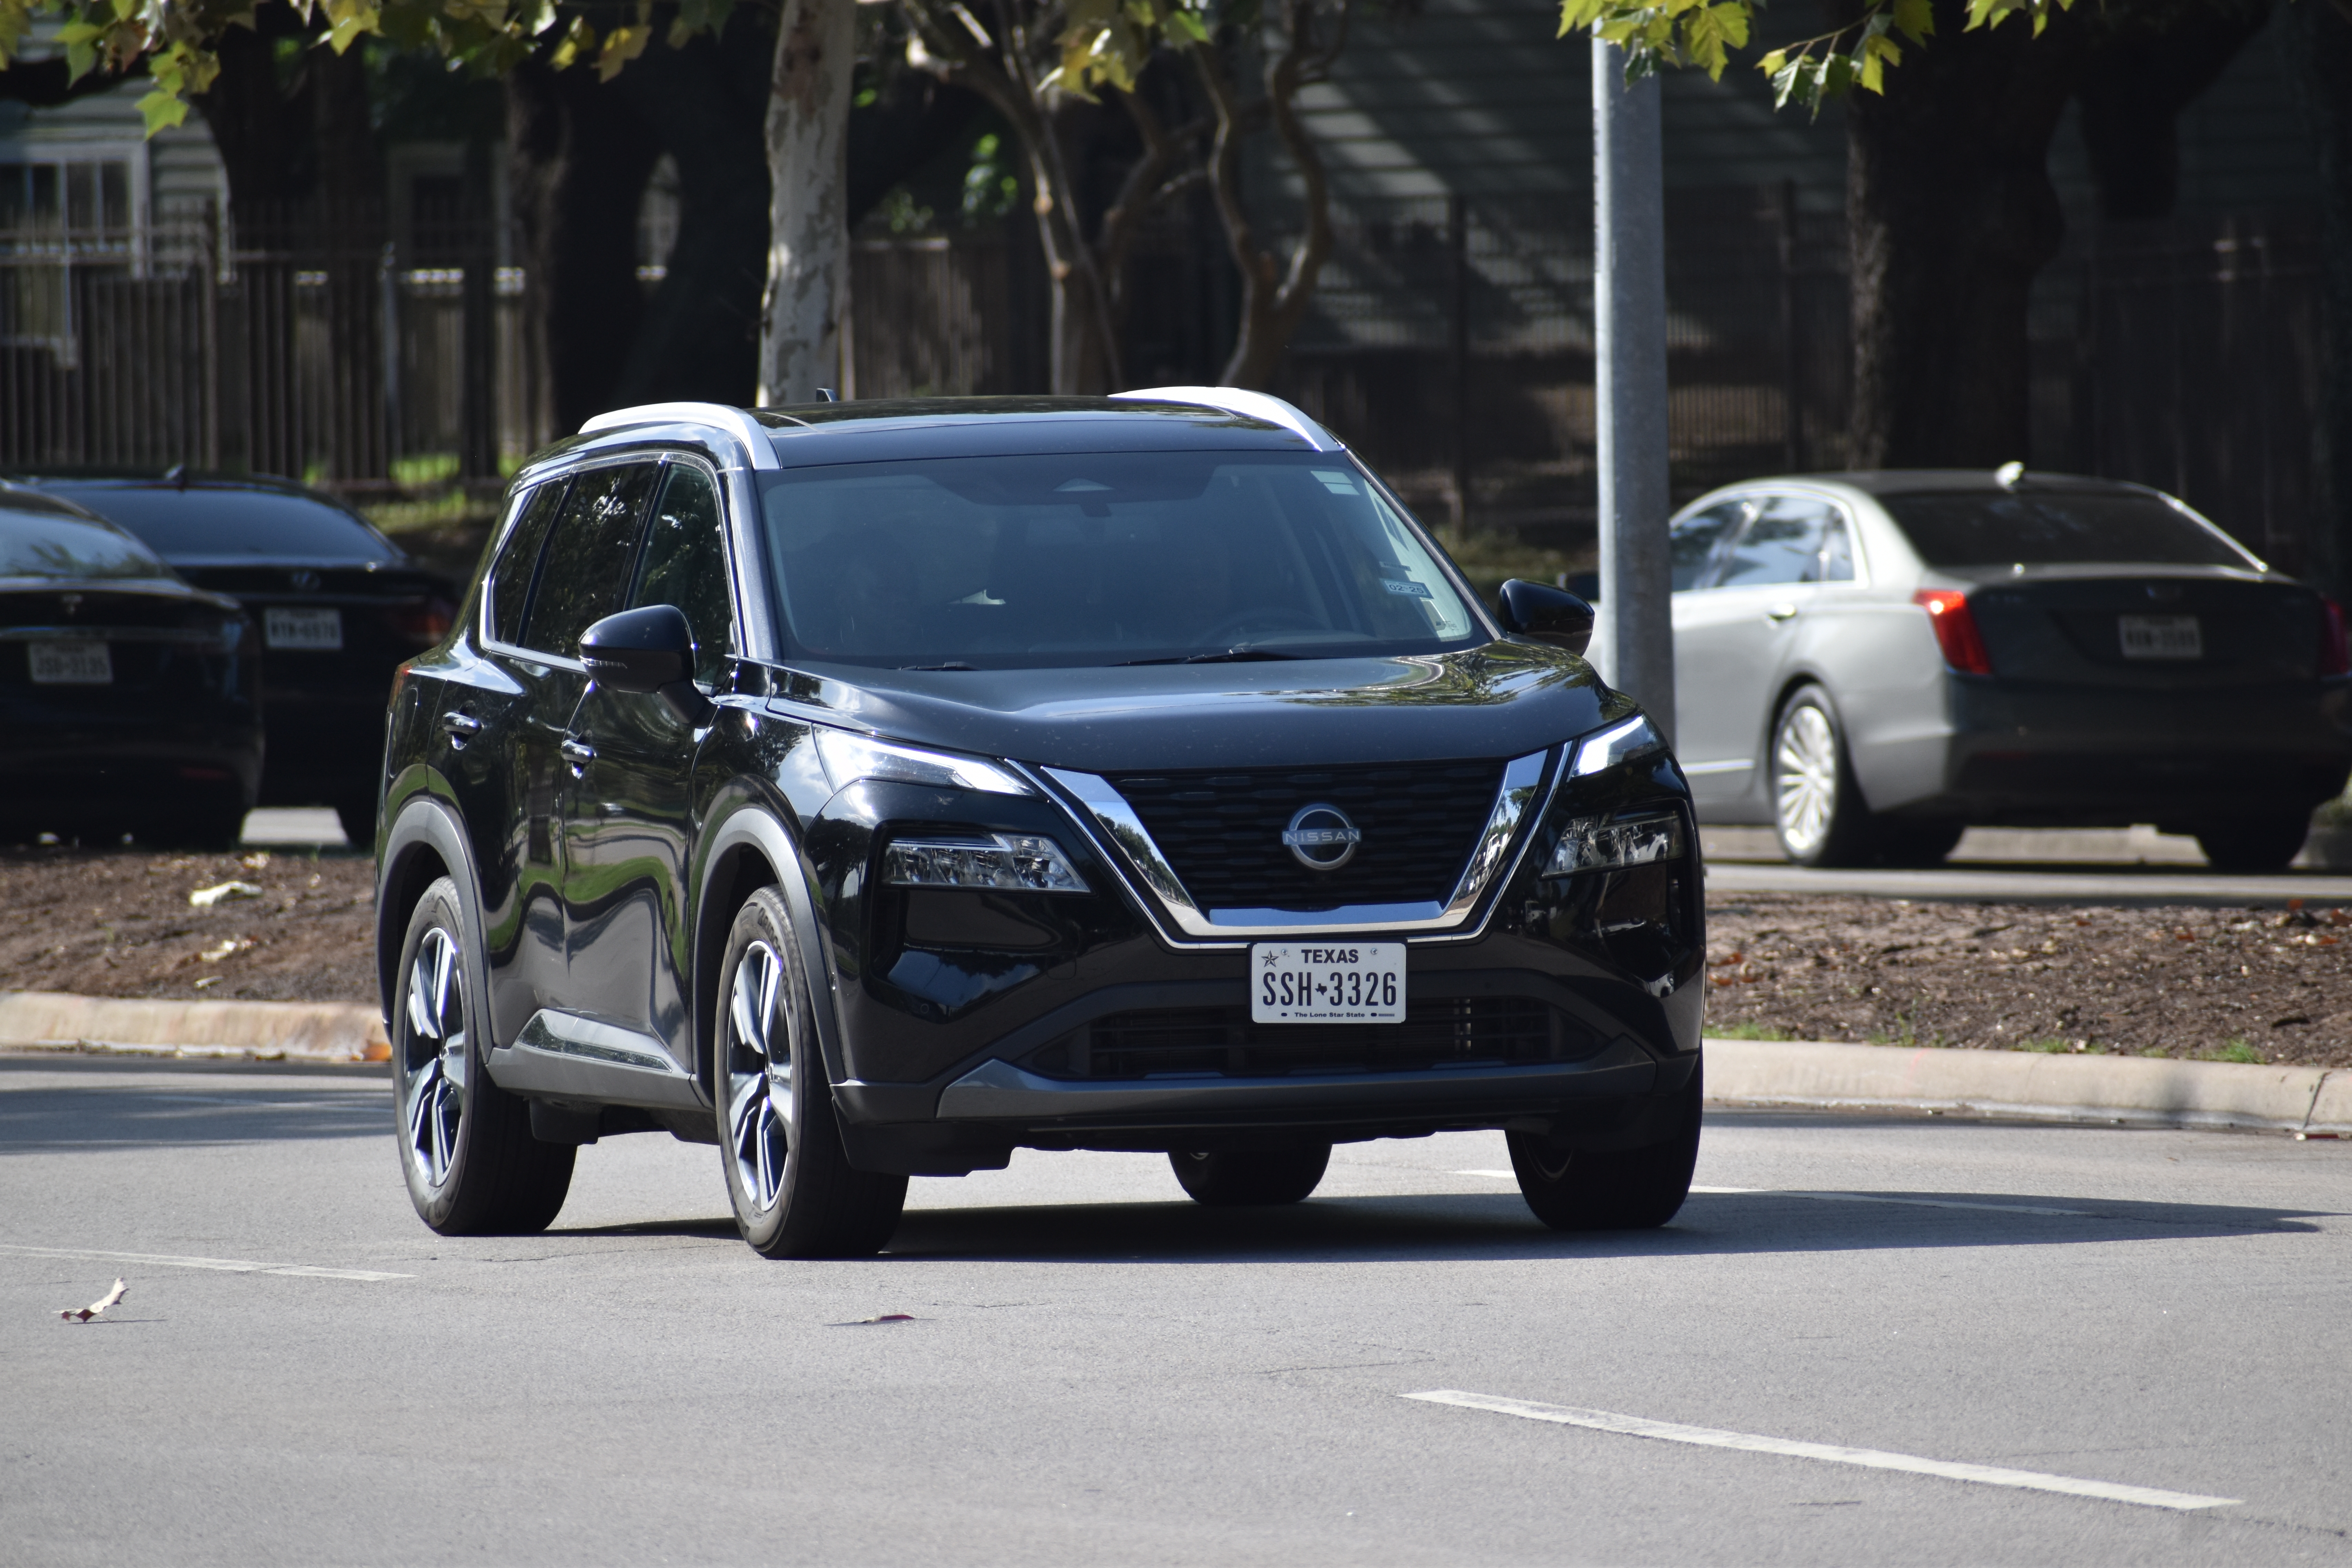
[
  {"x": 684, "y": 563},
  {"x": 518, "y": 563},
  {"x": 588, "y": 556},
  {"x": 1697, "y": 538},
  {"x": 1781, "y": 544}
]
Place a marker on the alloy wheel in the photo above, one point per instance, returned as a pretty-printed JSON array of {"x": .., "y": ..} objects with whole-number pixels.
[
  {"x": 1805, "y": 777},
  {"x": 434, "y": 1055},
  {"x": 760, "y": 1085}
]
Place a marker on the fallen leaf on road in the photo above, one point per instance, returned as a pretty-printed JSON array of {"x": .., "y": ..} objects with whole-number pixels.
[
  {"x": 205, "y": 897},
  {"x": 84, "y": 1314},
  {"x": 885, "y": 1318}
]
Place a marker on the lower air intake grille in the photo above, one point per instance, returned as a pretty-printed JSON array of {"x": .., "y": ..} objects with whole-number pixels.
[
  {"x": 1441, "y": 1032},
  {"x": 1222, "y": 832}
]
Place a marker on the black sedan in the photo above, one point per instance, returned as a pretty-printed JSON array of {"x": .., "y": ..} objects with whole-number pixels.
[
  {"x": 131, "y": 700},
  {"x": 339, "y": 606},
  {"x": 870, "y": 789}
]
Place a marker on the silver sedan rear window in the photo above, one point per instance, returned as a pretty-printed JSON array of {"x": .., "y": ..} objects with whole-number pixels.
[{"x": 2052, "y": 527}]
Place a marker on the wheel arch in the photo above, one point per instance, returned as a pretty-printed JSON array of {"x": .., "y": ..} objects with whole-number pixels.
[
  {"x": 425, "y": 842},
  {"x": 749, "y": 850}
]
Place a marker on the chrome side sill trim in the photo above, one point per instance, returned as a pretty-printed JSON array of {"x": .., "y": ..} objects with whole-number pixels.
[
  {"x": 564, "y": 1055},
  {"x": 1500, "y": 843},
  {"x": 999, "y": 1091}
]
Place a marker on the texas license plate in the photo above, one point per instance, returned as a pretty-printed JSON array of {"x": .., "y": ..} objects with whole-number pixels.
[
  {"x": 71, "y": 664},
  {"x": 1327, "y": 983},
  {"x": 312, "y": 631},
  {"x": 2161, "y": 636}
]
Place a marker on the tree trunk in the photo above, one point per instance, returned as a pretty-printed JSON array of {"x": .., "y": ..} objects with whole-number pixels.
[
  {"x": 2139, "y": 71},
  {"x": 808, "y": 236},
  {"x": 580, "y": 161},
  {"x": 1952, "y": 213},
  {"x": 708, "y": 103},
  {"x": 2323, "y": 64}
]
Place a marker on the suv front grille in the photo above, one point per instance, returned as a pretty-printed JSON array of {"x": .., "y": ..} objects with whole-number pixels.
[
  {"x": 1221, "y": 832},
  {"x": 1461, "y": 1031}
]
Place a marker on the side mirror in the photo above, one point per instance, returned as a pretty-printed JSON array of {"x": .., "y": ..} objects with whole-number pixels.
[
  {"x": 648, "y": 652},
  {"x": 1546, "y": 615}
]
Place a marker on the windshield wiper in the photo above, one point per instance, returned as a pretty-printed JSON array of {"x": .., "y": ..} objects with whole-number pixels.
[
  {"x": 951, "y": 664},
  {"x": 1231, "y": 656}
]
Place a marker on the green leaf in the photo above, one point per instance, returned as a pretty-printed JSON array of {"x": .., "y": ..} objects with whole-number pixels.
[
  {"x": 1185, "y": 27},
  {"x": 160, "y": 109},
  {"x": 1915, "y": 19}
]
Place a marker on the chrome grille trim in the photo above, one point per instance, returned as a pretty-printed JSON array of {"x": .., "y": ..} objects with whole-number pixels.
[{"x": 1117, "y": 828}]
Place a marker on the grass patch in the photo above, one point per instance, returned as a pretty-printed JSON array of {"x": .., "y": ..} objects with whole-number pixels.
[
  {"x": 1749, "y": 1031},
  {"x": 2236, "y": 1049},
  {"x": 2049, "y": 1044}
]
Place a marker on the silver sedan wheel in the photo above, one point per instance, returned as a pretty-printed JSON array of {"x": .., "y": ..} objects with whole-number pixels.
[
  {"x": 434, "y": 1055},
  {"x": 761, "y": 1111},
  {"x": 1805, "y": 777}
]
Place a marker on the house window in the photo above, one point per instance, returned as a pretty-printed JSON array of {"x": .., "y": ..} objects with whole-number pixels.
[{"x": 80, "y": 201}]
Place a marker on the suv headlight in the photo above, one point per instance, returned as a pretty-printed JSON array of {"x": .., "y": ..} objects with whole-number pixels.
[
  {"x": 1617, "y": 743},
  {"x": 1006, "y": 862},
  {"x": 1615, "y": 843},
  {"x": 848, "y": 758}
]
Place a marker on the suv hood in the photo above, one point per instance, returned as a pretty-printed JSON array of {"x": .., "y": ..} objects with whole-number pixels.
[{"x": 1503, "y": 699}]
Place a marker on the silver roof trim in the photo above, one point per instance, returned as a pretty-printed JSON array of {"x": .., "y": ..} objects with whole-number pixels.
[
  {"x": 1259, "y": 405},
  {"x": 754, "y": 436}
]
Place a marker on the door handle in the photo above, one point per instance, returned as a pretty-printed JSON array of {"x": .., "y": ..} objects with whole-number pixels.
[
  {"x": 579, "y": 754},
  {"x": 1781, "y": 612},
  {"x": 461, "y": 727}
]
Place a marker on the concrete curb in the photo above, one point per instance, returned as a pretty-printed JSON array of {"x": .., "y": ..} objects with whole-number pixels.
[
  {"x": 2138, "y": 1091},
  {"x": 260, "y": 1031}
]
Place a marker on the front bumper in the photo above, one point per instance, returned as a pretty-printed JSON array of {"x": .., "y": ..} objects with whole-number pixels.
[{"x": 1104, "y": 1030}]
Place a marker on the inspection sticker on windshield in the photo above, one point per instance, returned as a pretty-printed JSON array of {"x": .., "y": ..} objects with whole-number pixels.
[
  {"x": 71, "y": 663},
  {"x": 2161, "y": 636},
  {"x": 315, "y": 631},
  {"x": 1327, "y": 983}
]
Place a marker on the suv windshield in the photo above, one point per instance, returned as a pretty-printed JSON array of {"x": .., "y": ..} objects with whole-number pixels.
[
  {"x": 1100, "y": 559},
  {"x": 2049, "y": 527},
  {"x": 44, "y": 544},
  {"x": 232, "y": 521}
]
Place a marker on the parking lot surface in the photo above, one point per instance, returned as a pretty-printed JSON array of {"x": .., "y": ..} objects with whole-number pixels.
[{"x": 1067, "y": 1361}]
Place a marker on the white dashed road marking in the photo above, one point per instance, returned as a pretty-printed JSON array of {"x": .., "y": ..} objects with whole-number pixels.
[
  {"x": 1831, "y": 1453},
  {"x": 218, "y": 1265}
]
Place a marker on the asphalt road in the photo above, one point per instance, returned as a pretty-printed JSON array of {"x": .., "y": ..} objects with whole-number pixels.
[{"x": 1095, "y": 1370}]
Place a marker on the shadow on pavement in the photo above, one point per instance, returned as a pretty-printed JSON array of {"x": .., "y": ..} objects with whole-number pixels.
[
  {"x": 201, "y": 1110},
  {"x": 1495, "y": 1225}
]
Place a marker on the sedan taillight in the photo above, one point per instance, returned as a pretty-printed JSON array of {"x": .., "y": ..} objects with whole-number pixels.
[
  {"x": 426, "y": 623},
  {"x": 1956, "y": 629},
  {"x": 2335, "y": 657}
]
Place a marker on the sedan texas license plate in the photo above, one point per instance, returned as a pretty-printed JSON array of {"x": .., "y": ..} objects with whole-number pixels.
[
  {"x": 71, "y": 663},
  {"x": 312, "y": 631},
  {"x": 1327, "y": 983},
  {"x": 2161, "y": 636}
]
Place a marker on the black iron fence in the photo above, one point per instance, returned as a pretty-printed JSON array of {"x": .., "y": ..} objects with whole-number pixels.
[{"x": 1451, "y": 343}]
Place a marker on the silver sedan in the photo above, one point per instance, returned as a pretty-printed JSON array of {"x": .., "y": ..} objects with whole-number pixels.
[{"x": 1872, "y": 662}]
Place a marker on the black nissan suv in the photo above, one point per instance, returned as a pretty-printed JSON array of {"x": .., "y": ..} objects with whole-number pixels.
[{"x": 870, "y": 789}]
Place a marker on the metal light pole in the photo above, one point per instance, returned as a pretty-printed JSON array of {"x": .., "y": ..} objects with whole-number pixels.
[{"x": 1633, "y": 642}]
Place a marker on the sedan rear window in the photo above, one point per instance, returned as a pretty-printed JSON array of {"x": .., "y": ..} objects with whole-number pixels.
[
  {"x": 53, "y": 545},
  {"x": 228, "y": 523},
  {"x": 2049, "y": 527},
  {"x": 1103, "y": 559}
]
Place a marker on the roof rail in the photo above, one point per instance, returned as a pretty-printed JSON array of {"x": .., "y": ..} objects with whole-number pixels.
[
  {"x": 1259, "y": 405},
  {"x": 734, "y": 421}
]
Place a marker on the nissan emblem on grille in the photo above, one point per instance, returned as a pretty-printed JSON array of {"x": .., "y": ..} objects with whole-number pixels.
[{"x": 1321, "y": 838}]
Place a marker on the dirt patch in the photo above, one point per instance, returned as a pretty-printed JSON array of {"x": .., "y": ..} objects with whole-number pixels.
[
  {"x": 119, "y": 924},
  {"x": 2242, "y": 985}
]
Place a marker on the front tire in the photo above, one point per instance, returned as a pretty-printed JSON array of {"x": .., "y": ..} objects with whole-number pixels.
[
  {"x": 794, "y": 1192},
  {"x": 1817, "y": 810},
  {"x": 1251, "y": 1178},
  {"x": 1628, "y": 1189},
  {"x": 466, "y": 1146}
]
